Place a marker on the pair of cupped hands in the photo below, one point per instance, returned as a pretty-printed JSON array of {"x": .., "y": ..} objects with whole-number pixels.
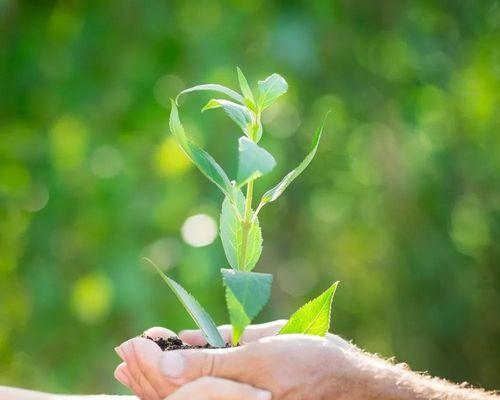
[{"x": 266, "y": 366}]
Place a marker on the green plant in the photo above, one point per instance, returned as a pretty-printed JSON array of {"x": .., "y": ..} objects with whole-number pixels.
[{"x": 246, "y": 292}]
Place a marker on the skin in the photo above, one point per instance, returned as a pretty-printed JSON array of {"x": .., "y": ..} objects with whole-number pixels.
[
  {"x": 324, "y": 368},
  {"x": 209, "y": 388},
  {"x": 7, "y": 393},
  {"x": 140, "y": 380},
  {"x": 291, "y": 367},
  {"x": 142, "y": 373}
]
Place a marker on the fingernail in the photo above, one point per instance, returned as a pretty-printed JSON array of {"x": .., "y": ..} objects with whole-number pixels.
[
  {"x": 120, "y": 377},
  {"x": 119, "y": 351},
  {"x": 264, "y": 395},
  {"x": 173, "y": 364}
]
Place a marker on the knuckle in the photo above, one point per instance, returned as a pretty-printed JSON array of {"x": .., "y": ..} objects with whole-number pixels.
[{"x": 209, "y": 365}]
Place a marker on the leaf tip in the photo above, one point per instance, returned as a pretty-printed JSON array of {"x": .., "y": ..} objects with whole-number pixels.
[
  {"x": 174, "y": 103},
  {"x": 334, "y": 287},
  {"x": 147, "y": 259},
  {"x": 152, "y": 263}
]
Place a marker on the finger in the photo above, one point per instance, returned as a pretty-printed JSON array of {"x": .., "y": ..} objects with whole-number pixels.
[
  {"x": 252, "y": 333},
  {"x": 181, "y": 366},
  {"x": 148, "y": 357},
  {"x": 211, "y": 388},
  {"x": 121, "y": 376},
  {"x": 195, "y": 337},
  {"x": 159, "y": 332},
  {"x": 133, "y": 385},
  {"x": 139, "y": 354},
  {"x": 259, "y": 331}
]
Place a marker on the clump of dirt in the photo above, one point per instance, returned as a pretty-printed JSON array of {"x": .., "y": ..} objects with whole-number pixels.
[{"x": 174, "y": 343}]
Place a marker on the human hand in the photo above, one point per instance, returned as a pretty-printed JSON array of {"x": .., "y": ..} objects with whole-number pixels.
[
  {"x": 294, "y": 366},
  {"x": 146, "y": 380}
]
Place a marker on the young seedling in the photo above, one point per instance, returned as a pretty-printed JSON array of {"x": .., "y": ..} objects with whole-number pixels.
[{"x": 246, "y": 292}]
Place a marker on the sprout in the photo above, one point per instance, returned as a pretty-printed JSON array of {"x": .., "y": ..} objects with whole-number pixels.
[{"x": 247, "y": 292}]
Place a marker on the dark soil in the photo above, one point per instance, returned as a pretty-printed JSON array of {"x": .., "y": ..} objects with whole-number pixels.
[{"x": 174, "y": 343}]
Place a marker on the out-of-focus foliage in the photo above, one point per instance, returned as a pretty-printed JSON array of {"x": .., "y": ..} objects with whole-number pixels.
[{"x": 401, "y": 204}]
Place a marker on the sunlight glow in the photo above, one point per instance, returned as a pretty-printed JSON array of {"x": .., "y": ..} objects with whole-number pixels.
[{"x": 199, "y": 230}]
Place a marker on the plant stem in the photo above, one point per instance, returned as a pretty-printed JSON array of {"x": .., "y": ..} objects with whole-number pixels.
[
  {"x": 247, "y": 217},
  {"x": 247, "y": 222}
]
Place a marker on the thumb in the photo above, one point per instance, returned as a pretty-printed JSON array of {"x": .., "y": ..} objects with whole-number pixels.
[{"x": 181, "y": 366}]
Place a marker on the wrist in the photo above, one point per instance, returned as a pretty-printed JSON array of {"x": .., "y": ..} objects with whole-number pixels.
[
  {"x": 366, "y": 377},
  {"x": 345, "y": 376},
  {"x": 355, "y": 375}
]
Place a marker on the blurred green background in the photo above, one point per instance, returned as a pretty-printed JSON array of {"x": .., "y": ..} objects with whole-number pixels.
[{"x": 402, "y": 203}]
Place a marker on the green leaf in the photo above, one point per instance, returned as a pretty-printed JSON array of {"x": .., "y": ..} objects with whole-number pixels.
[
  {"x": 276, "y": 191},
  {"x": 195, "y": 310},
  {"x": 238, "y": 113},
  {"x": 231, "y": 228},
  {"x": 253, "y": 162},
  {"x": 204, "y": 161},
  {"x": 239, "y": 319},
  {"x": 215, "y": 88},
  {"x": 246, "y": 294},
  {"x": 256, "y": 131},
  {"x": 254, "y": 245},
  {"x": 270, "y": 89},
  {"x": 312, "y": 318},
  {"x": 245, "y": 88}
]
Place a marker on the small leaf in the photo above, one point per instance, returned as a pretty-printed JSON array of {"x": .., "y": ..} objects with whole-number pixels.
[
  {"x": 239, "y": 319},
  {"x": 195, "y": 310},
  {"x": 270, "y": 89},
  {"x": 212, "y": 87},
  {"x": 251, "y": 289},
  {"x": 253, "y": 162},
  {"x": 231, "y": 228},
  {"x": 213, "y": 103},
  {"x": 246, "y": 294},
  {"x": 204, "y": 161},
  {"x": 276, "y": 191},
  {"x": 256, "y": 131},
  {"x": 254, "y": 245},
  {"x": 238, "y": 113},
  {"x": 313, "y": 318},
  {"x": 245, "y": 88}
]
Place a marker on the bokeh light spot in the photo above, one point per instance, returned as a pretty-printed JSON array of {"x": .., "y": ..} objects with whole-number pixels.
[
  {"x": 199, "y": 230},
  {"x": 478, "y": 91},
  {"x": 68, "y": 140},
  {"x": 37, "y": 199},
  {"x": 166, "y": 88},
  {"x": 106, "y": 162},
  {"x": 284, "y": 120},
  {"x": 164, "y": 252},
  {"x": 14, "y": 180},
  {"x": 91, "y": 298},
  {"x": 169, "y": 159},
  {"x": 388, "y": 55},
  {"x": 469, "y": 226}
]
